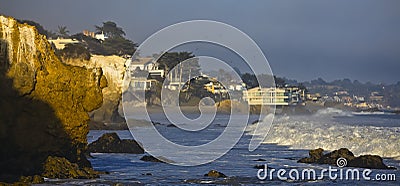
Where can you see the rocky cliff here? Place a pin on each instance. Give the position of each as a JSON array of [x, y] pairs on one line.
[[113, 69], [43, 102]]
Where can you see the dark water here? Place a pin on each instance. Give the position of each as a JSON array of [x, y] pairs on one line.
[[238, 164]]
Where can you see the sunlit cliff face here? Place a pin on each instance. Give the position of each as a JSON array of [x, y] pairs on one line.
[[43, 102]]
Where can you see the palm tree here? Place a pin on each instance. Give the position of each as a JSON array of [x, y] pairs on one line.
[[62, 31]]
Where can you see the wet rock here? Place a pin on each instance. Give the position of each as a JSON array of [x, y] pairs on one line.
[[315, 155], [368, 161], [171, 125], [332, 157], [57, 167], [363, 161], [111, 143], [260, 159], [150, 159], [259, 166], [159, 159], [215, 174]]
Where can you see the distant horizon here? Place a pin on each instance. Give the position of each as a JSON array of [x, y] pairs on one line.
[[302, 40]]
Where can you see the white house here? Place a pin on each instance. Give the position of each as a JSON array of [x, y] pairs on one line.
[[61, 42], [272, 96], [100, 36], [146, 64]]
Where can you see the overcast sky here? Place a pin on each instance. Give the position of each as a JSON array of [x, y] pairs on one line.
[[302, 39]]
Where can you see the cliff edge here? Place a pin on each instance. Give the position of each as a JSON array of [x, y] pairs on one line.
[[114, 70], [43, 102]]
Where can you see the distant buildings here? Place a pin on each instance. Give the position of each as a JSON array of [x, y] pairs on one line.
[[376, 97], [143, 72], [100, 36], [145, 64]]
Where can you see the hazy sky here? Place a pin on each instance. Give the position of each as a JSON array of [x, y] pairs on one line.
[[302, 39]]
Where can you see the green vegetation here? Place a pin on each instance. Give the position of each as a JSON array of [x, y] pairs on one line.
[[110, 29], [170, 59], [118, 46], [62, 31], [252, 80], [194, 91], [114, 43], [74, 51]]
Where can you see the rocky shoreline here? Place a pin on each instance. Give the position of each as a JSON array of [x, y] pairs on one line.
[[335, 157], [44, 107]]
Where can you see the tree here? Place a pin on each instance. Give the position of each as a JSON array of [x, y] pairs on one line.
[[62, 31], [110, 29], [74, 51], [118, 46], [170, 59], [250, 80]]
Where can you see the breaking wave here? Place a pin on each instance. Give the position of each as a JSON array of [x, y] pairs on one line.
[[321, 131]]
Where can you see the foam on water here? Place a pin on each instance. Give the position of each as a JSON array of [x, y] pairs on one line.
[[320, 131]]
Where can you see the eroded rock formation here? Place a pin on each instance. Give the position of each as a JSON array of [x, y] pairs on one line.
[[43, 102], [111, 143], [331, 158], [113, 69]]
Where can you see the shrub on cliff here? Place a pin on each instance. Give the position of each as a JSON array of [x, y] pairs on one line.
[[74, 51]]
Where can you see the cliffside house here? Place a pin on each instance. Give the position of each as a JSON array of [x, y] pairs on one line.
[[141, 67], [145, 64], [61, 42], [100, 36], [272, 96]]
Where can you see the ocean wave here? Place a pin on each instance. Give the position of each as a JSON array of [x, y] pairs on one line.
[[318, 131], [332, 112]]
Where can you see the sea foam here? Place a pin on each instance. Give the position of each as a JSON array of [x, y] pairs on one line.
[[321, 131]]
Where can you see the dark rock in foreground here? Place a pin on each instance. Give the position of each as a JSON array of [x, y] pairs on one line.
[[111, 143], [215, 174], [56, 167], [160, 159], [369, 161], [150, 159], [260, 159], [364, 161]]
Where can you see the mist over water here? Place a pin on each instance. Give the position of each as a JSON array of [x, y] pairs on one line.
[[331, 129]]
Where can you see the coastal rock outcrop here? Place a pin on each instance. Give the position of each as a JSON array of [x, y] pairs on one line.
[[363, 161], [215, 174], [57, 167], [148, 158], [44, 103], [111, 143], [113, 69], [158, 159]]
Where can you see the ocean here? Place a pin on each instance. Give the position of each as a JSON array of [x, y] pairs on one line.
[[289, 139]]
